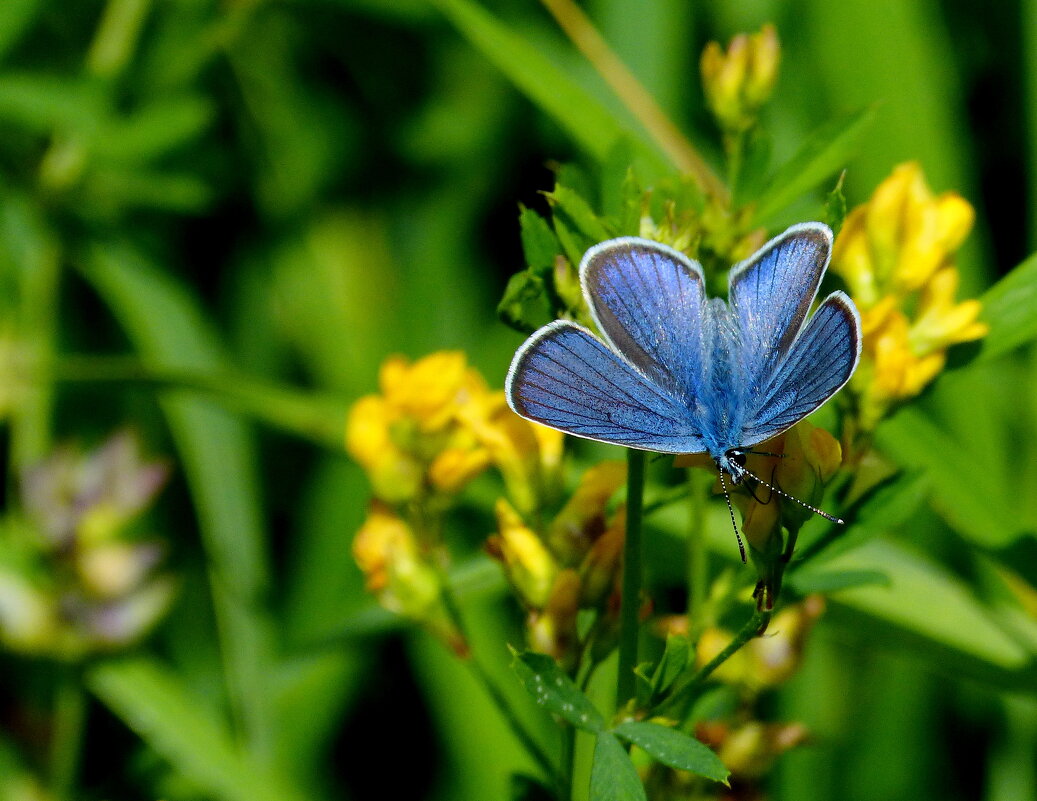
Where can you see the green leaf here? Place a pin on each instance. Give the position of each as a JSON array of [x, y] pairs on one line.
[[826, 151], [674, 748], [805, 582], [676, 657], [15, 17], [572, 206], [219, 461], [527, 788], [971, 501], [180, 727], [42, 103], [925, 606], [835, 206], [539, 243], [524, 300], [154, 130], [613, 775], [589, 122], [1008, 308], [555, 691]]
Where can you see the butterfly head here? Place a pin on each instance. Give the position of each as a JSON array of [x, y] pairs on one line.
[[732, 462]]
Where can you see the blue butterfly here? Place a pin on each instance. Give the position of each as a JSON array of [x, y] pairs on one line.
[[678, 372]]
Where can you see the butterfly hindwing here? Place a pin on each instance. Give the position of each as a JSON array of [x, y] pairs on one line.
[[820, 362], [565, 378], [648, 300]]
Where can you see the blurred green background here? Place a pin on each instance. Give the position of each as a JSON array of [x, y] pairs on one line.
[[216, 220]]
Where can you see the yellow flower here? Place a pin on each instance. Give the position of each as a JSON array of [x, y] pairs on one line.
[[553, 630], [896, 255], [429, 390], [939, 321], [528, 455], [530, 566], [894, 244], [749, 749], [412, 436], [601, 567], [399, 573], [737, 83], [582, 519]]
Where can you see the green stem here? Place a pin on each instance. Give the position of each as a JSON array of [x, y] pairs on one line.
[[630, 603], [698, 555], [67, 739], [525, 738], [568, 761], [311, 415], [677, 703]]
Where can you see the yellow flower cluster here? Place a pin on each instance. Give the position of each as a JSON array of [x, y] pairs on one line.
[[739, 81], [433, 427], [896, 254], [572, 562], [436, 425]]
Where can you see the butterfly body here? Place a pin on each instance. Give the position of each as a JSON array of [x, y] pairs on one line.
[[677, 372]]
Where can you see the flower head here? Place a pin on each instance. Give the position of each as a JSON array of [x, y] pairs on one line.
[[398, 570], [410, 438], [739, 82], [896, 254], [69, 566]]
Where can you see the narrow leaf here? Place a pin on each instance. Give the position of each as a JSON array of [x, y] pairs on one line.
[[825, 152], [674, 660], [570, 204], [524, 305], [151, 700], [971, 501], [588, 121], [674, 748], [1008, 310], [539, 244], [807, 581], [613, 775], [552, 689]]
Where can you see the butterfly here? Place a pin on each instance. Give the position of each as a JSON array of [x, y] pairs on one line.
[[678, 372]]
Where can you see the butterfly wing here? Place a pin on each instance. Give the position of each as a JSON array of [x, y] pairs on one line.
[[770, 295], [820, 362], [647, 299], [565, 378]]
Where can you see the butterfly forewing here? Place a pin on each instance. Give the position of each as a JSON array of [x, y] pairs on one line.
[[565, 378], [770, 295], [648, 300], [821, 361]]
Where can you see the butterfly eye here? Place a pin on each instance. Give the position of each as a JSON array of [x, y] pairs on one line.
[[737, 456]]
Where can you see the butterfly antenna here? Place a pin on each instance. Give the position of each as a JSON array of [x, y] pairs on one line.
[[784, 494], [731, 511]]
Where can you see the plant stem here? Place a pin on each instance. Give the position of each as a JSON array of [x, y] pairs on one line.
[[582, 33], [317, 417], [630, 603], [67, 738], [679, 699], [568, 760], [527, 740], [698, 557], [518, 728]]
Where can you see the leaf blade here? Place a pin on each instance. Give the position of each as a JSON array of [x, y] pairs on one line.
[[555, 691], [674, 748], [613, 775]]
